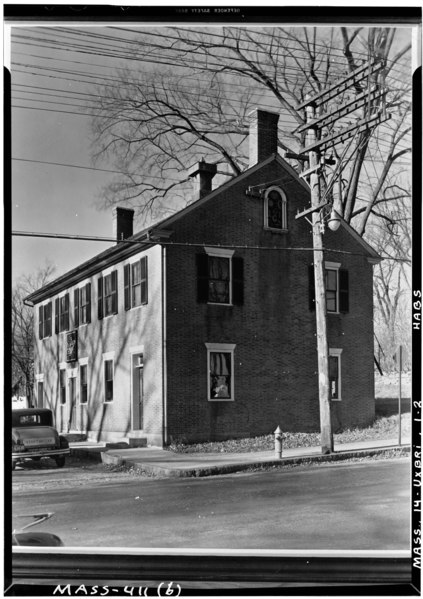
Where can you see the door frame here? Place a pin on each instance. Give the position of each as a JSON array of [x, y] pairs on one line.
[[135, 351]]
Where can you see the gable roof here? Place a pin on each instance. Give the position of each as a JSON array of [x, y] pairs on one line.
[[159, 232]]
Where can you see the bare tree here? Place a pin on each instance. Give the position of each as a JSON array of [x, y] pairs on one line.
[[154, 123], [392, 282], [23, 329]]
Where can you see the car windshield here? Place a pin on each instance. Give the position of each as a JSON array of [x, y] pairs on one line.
[[36, 418]]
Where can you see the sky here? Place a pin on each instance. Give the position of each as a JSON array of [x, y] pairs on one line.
[[48, 196]]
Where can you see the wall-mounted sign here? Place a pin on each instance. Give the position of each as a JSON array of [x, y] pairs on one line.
[[72, 346]]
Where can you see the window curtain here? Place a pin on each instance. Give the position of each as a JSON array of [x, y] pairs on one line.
[[219, 276]]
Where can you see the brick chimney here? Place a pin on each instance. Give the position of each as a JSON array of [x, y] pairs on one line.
[[263, 135], [123, 223], [202, 174]]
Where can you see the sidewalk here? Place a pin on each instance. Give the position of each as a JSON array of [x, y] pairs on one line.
[[159, 462]]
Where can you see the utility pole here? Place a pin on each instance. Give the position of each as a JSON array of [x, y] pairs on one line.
[[312, 154], [326, 439]]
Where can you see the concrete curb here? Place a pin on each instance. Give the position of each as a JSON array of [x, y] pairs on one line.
[[200, 471]]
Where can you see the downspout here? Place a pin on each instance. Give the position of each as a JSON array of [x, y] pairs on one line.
[[164, 347]]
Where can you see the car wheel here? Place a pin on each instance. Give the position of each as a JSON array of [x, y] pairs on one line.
[[60, 461]]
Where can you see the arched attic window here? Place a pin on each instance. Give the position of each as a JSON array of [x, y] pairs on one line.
[[275, 209]]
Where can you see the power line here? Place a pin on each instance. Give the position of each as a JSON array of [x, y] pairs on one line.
[[106, 50], [187, 244], [90, 168]]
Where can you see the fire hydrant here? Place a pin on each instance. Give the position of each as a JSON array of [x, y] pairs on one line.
[[278, 443]]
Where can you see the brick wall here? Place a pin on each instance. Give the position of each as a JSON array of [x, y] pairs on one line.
[[274, 331]]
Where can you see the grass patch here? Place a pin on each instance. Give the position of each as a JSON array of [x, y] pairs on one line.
[[383, 428]]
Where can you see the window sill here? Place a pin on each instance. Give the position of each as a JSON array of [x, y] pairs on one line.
[[109, 315], [136, 307], [225, 399], [218, 304], [279, 231]]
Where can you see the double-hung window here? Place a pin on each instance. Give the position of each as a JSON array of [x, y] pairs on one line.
[[220, 277], [107, 295], [108, 380], [83, 380], [136, 283], [62, 313], [331, 285], [220, 364], [336, 288], [82, 305], [45, 314], [335, 374]]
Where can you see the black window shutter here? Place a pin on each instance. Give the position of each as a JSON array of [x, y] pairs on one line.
[[144, 280], [127, 286], [67, 312], [237, 281], [56, 315], [47, 320], [344, 303], [311, 291], [76, 308], [202, 278], [88, 296], [100, 299], [41, 322], [115, 292]]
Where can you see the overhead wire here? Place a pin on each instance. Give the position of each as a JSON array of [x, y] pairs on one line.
[[164, 47], [90, 75], [189, 244]]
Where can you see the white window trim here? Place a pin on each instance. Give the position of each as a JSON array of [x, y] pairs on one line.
[[334, 266], [284, 213], [39, 378], [221, 347], [222, 253], [136, 349], [337, 352], [83, 361], [135, 259], [219, 252], [108, 357]]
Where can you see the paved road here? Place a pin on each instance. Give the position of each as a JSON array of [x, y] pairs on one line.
[[340, 506]]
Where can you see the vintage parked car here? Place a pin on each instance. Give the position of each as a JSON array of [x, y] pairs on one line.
[[34, 437]]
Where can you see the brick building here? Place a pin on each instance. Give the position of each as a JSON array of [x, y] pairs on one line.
[[203, 326]]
